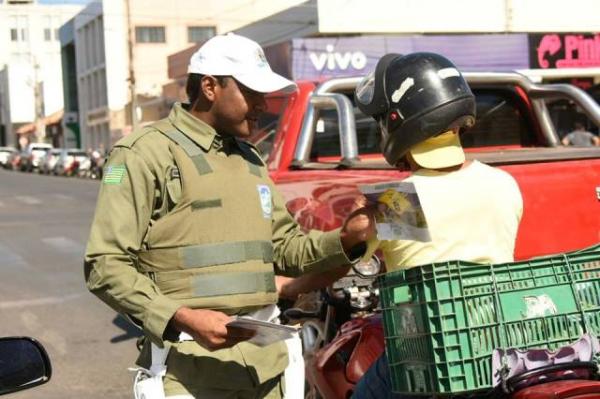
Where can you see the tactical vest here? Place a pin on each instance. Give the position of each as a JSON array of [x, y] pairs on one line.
[[214, 249]]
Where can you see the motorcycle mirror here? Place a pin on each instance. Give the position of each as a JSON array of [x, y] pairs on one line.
[[24, 363], [369, 268]]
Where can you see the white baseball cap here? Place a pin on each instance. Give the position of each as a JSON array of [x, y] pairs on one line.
[[240, 57]]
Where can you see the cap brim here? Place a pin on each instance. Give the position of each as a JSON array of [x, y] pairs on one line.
[[265, 82], [439, 152]]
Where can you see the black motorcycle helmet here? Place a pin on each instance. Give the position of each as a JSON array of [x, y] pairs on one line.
[[413, 98]]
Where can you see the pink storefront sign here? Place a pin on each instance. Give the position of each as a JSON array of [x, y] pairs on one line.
[[565, 50]]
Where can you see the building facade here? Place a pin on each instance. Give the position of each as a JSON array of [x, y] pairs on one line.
[[323, 38], [31, 94], [121, 50]]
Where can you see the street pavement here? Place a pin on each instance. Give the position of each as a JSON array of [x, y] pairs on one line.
[[44, 226]]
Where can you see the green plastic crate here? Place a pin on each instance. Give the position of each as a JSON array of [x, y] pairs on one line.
[[442, 321]]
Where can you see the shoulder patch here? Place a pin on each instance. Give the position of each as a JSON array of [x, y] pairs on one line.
[[113, 174]]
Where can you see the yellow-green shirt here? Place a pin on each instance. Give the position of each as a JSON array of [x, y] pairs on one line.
[[473, 214]]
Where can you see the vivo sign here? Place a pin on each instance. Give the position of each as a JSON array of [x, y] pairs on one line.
[[320, 57], [333, 60]]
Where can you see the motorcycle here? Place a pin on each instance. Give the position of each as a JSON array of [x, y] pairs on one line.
[[344, 336], [97, 165]]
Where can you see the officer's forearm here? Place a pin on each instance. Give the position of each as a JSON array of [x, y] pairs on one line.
[[114, 279], [290, 288], [180, 321], [207, 327]]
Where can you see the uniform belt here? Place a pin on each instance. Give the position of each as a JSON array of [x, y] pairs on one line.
[[228, 252], [232, 283]]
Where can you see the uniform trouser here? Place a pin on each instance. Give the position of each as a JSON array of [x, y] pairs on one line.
[[272, 389], [376, 383]]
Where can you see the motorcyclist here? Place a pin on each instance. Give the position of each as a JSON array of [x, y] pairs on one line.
[[422, 102]]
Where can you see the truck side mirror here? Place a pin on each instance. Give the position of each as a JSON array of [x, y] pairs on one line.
[[24, 363]]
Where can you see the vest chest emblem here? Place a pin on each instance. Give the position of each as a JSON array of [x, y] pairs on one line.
[[264, 192]]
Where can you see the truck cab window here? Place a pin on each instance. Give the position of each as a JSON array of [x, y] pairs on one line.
[[327, 135], [264, 136], [565, 114], [499, 121]]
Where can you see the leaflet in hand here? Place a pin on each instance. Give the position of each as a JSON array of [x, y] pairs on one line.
[[266, 333], [401, 215]]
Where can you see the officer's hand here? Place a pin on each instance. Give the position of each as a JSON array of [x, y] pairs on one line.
[[360, 224], [209, 328], [285, 287]]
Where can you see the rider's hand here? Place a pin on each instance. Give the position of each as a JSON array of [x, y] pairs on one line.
[[209, 328]]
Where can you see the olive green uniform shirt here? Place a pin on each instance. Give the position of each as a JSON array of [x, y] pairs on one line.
[[136, 192]]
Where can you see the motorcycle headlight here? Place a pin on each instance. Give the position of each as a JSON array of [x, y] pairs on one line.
[[368, 268]]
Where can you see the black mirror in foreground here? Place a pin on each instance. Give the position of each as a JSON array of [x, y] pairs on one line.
[[24, 363]]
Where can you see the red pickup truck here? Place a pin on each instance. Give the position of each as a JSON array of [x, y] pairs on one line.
[[319, 148]]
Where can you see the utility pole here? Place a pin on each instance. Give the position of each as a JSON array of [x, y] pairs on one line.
[[508, 15], [38, 95], [134, 121]]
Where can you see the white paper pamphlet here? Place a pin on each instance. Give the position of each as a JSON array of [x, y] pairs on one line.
[[266, 333], [401, 215]]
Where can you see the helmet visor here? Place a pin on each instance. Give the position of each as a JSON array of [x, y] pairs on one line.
[[366, 89]]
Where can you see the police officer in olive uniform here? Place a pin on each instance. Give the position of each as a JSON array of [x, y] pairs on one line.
[[190, 230]]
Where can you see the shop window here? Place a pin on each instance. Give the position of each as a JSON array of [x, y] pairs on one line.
[[199, 34], [18, 35], [150, 34]]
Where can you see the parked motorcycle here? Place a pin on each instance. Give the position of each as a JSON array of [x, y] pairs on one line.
[[96, 167], [345, 335]]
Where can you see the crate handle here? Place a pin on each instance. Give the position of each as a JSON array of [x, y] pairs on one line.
[[502, 331], [576, 296], [503, 341]]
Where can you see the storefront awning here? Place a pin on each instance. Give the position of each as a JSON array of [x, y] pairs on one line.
[[51, 119]]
